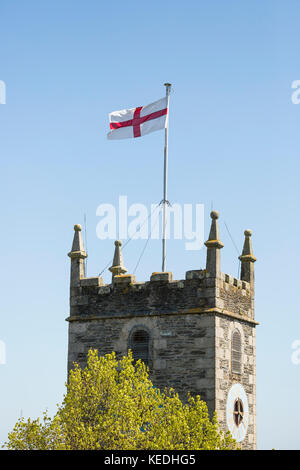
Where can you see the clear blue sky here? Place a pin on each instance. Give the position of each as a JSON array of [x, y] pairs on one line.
[[234, 140]]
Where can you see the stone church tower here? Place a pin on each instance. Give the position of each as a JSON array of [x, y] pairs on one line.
[[196, 334]]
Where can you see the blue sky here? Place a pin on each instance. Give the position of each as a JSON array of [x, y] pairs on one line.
[[234, 144]]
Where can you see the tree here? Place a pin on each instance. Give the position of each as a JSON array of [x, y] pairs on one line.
[[113, 404]]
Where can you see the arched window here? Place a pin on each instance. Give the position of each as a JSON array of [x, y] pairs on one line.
[[236, 352], [139, 344]]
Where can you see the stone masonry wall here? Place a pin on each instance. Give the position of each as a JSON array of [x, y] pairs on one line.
[[225, 378], [182, 352]]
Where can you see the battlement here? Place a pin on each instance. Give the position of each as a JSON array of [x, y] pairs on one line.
[[126, 297], [130, 279], [202, 290]]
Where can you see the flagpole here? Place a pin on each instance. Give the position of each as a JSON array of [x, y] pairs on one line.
[[165, 200]]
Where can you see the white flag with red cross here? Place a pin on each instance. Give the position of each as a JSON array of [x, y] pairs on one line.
[[139, 121]]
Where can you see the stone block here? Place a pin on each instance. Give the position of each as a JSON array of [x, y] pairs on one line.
[[123, 279], [79, 300], [195, 274], [159, 364], [91, 282], [104, 290], [204, 342], [161, 276]]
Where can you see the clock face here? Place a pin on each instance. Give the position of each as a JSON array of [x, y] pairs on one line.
[[237, 412]]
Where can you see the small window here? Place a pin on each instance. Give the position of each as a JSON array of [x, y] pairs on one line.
[[139, 344], [236, 353]]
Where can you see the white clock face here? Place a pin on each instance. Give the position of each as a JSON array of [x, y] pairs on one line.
[[237, 412]]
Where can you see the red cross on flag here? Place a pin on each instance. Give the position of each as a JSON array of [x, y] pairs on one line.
[[139, 121]]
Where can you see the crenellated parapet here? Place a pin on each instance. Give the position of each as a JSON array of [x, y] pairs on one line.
[[201, 291]]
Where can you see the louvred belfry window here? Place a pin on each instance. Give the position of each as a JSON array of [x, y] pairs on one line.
[[236, 353], [139, 344]]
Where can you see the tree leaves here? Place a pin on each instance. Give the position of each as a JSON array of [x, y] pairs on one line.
[[113, 404]]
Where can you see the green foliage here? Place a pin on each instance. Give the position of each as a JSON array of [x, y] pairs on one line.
[[113, 404]]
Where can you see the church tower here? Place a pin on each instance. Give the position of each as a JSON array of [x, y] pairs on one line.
[[196, 335]]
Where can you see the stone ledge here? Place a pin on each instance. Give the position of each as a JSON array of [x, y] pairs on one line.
[[77, 254], [192, 311]]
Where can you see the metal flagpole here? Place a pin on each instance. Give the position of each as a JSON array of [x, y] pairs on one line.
[[165, 200]]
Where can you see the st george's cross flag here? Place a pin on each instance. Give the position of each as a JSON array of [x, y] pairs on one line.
[[139, 121]]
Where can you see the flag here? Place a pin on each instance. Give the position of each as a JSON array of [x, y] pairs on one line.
[[139, 121]]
